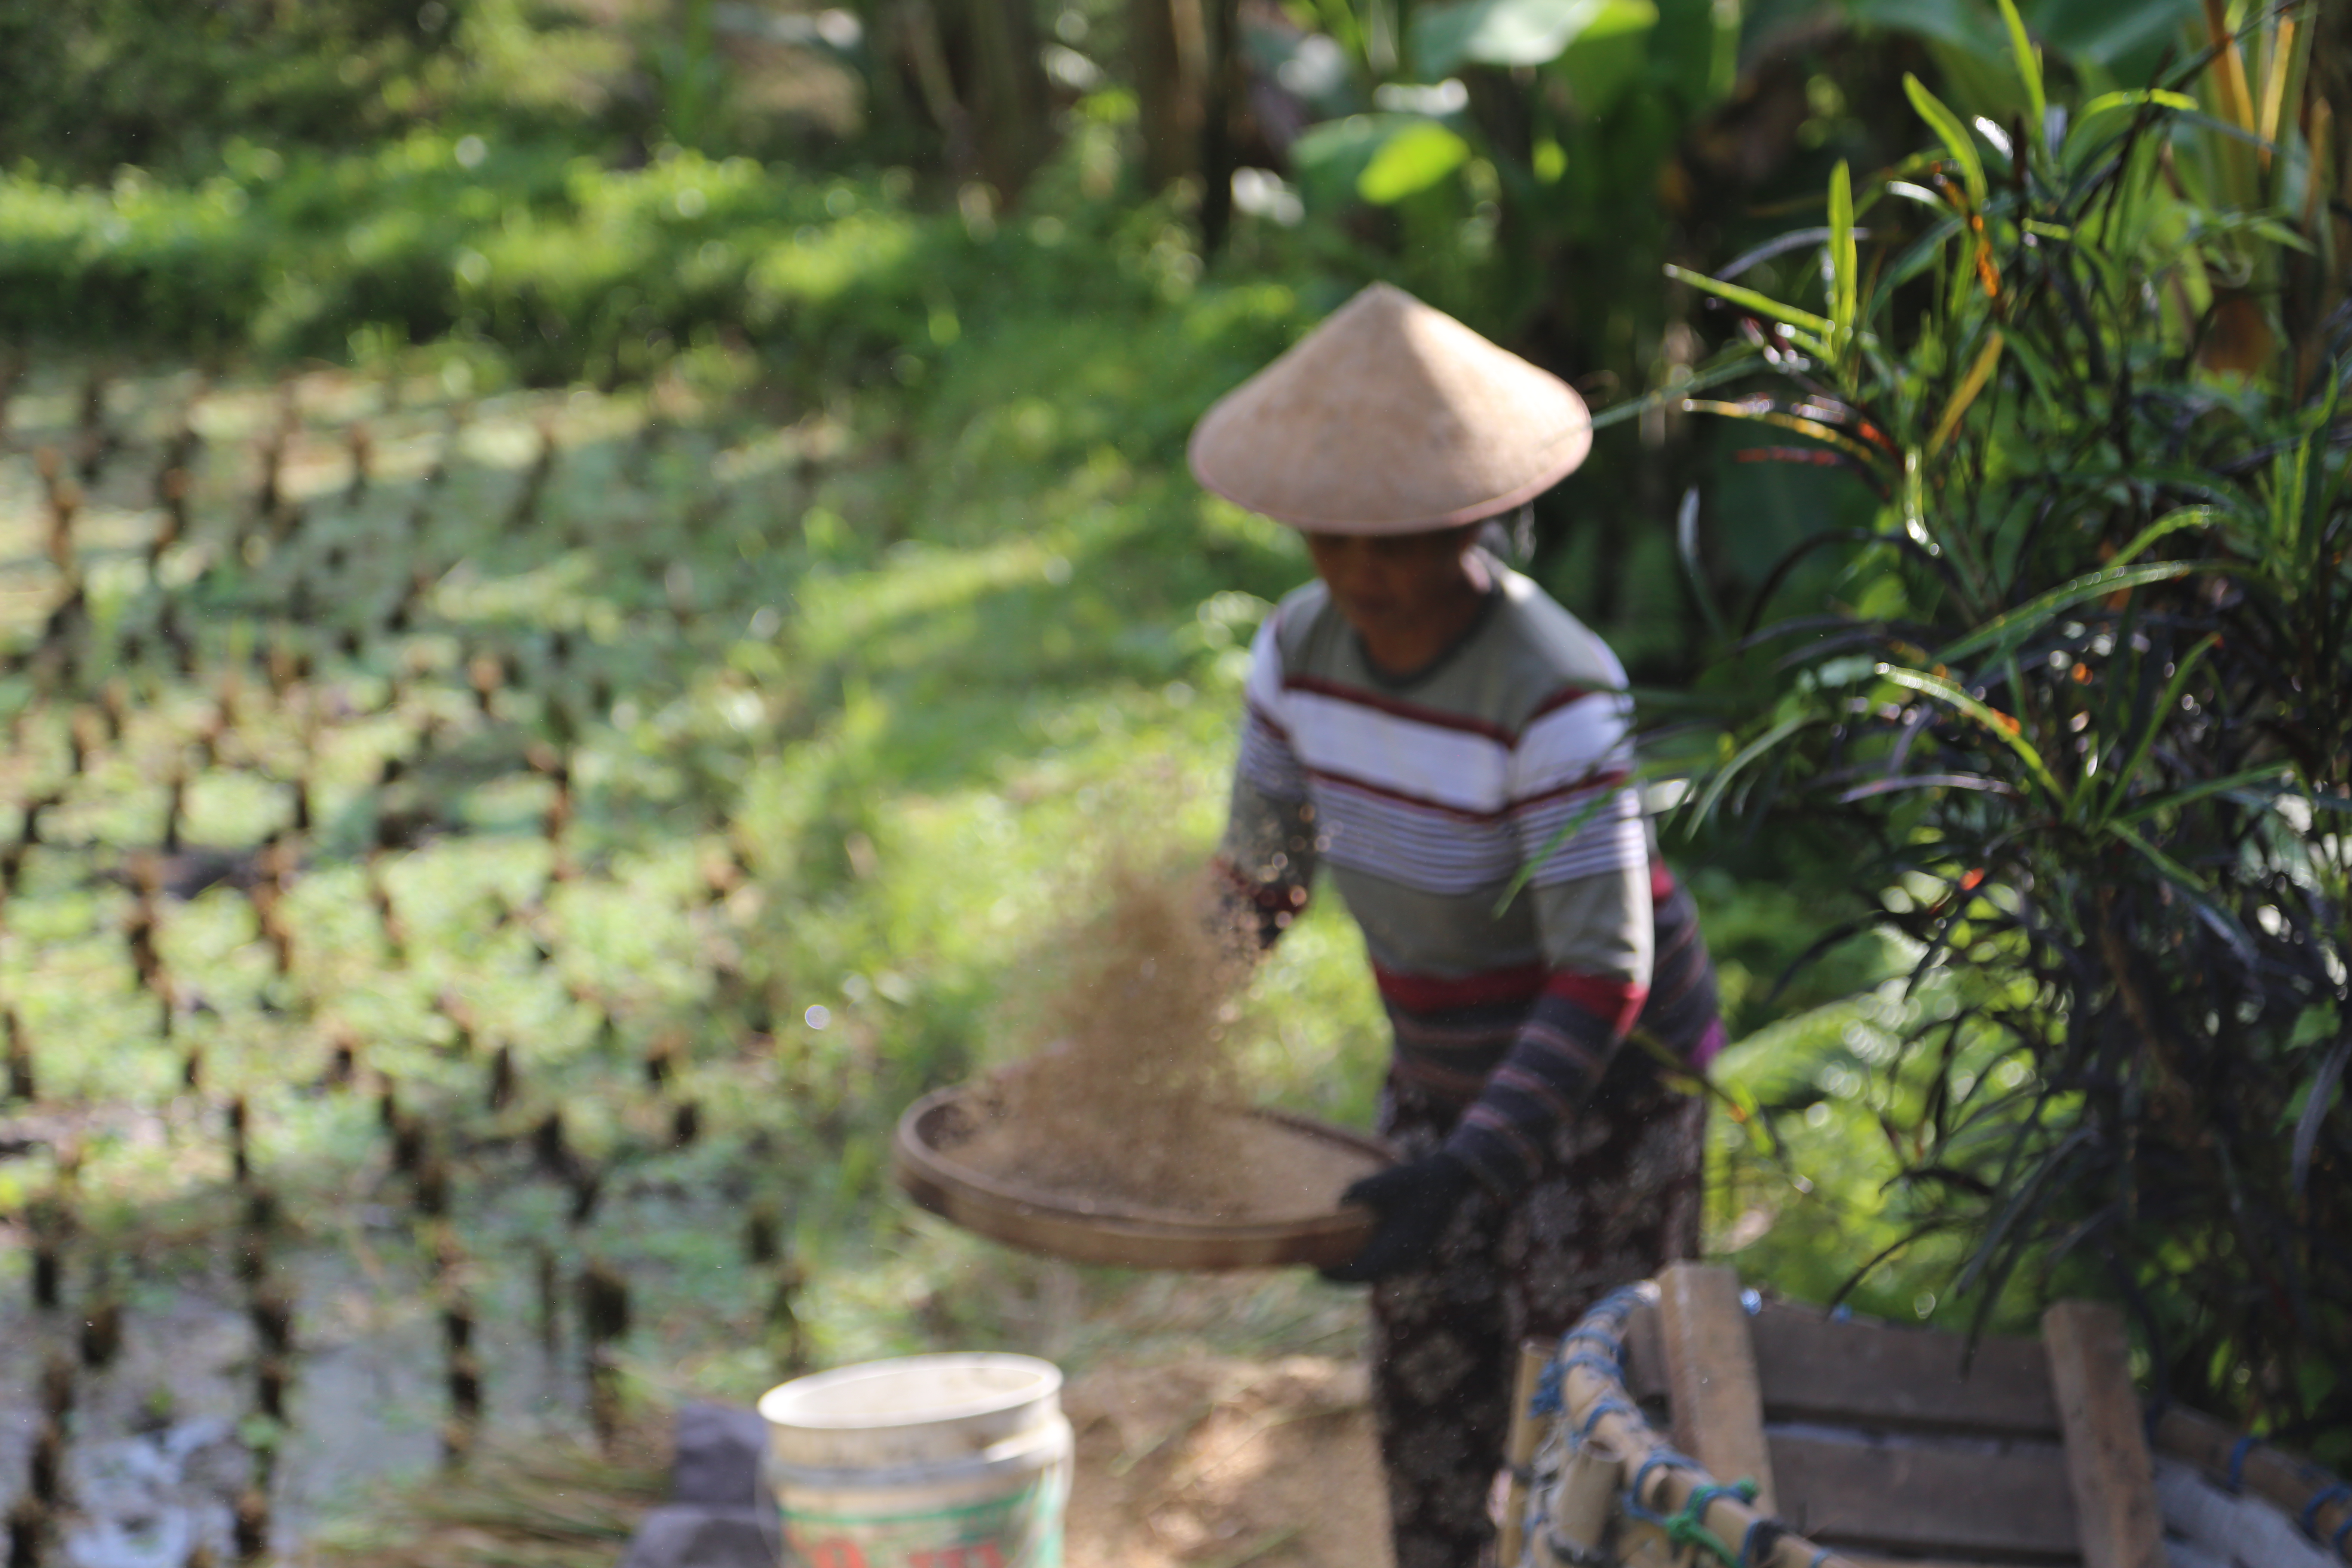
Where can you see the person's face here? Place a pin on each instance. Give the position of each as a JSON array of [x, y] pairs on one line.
[[1392, 585]]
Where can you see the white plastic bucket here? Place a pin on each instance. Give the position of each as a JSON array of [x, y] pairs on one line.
[[929, 1461]]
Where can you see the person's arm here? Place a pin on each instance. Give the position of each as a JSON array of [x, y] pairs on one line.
[[1266, 865], [1596, 936]]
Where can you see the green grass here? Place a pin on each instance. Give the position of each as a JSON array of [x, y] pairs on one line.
[[857, 691]]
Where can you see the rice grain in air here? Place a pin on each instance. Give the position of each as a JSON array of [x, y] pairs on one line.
[[1136, 1105]]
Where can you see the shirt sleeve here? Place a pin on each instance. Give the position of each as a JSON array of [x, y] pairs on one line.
[[1267, 861], [1580, 827]]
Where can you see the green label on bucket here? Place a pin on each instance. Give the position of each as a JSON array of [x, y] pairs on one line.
[[1021, 1530]]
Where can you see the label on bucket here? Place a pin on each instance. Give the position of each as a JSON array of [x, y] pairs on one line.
[[1021, 1530]]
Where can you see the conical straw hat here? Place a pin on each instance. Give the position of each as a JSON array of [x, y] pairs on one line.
[[1391, 418]]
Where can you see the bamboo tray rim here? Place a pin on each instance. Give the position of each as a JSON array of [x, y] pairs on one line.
[[1028, 1217]]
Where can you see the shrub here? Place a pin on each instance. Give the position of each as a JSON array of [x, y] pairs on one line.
[[2084, 697]]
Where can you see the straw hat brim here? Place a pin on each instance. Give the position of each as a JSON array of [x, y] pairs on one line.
[[1391, 418]]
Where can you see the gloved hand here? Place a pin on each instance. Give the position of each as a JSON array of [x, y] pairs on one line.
[[1414, 1201]]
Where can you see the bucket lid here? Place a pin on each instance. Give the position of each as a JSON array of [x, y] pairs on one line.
[[914, 1409]]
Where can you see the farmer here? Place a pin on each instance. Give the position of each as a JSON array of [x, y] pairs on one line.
[[1434, 728]]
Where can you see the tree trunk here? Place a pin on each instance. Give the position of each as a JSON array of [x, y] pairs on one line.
[[1169, 60], [1221, 105], [992, 49]]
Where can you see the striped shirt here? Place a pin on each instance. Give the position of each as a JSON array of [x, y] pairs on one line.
[[1424, 797]]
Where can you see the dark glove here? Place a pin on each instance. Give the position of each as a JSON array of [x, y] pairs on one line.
[[1414, 1201]]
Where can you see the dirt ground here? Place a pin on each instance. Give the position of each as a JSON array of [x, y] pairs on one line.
[[1214, 1463], [1202, 1462]]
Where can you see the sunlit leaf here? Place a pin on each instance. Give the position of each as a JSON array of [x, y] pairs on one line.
[[1411, 162], [1845, 267], [1749, 300], [1518, 32], [2107, 102], [2029, 69], [1956, 136], [1965, 393], [1332, 157]]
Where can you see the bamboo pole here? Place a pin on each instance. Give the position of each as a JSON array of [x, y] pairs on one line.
[[2317, 1501], [1596, 1406], [1519, 1452]]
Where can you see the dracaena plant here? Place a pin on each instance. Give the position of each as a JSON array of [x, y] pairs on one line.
[[2082, 700]]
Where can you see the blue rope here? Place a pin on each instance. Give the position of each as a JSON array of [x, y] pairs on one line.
[[1602, 1337], [1704, 1498], [1771, 1529], [1606, 1406], [1593, 1361], [1686, 1526], [2341, 1537], [1658, 1456], [2237, 1480], [1618, 1304], [1547, 1400], [2319, 1500]]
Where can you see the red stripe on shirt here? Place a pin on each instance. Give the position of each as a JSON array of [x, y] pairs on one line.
[[1597, 780], [1615, 1001], [1261, 715], [1566, 697], [1406, 797], [1520, 984], [1435, 717]]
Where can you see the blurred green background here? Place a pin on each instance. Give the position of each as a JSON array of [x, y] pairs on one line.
[[759, 430]]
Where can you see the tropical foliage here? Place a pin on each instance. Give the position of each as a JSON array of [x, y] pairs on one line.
[[2083, 690]]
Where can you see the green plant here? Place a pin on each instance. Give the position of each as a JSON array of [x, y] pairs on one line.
[[2085, 694]]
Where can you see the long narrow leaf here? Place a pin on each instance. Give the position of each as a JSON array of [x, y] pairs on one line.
[[1928, 781], [1732, 363], [2029, 71], [1979, 373], [1686, 547], [1749, 300], [1953, 133], [2196, 792], [2167, 704], [1868, 456], [2002, 725], [1748, 753], [1845, 265], [2171, 522], [1916, 258], [2314, 1112], [2200, 896], [2108, 103], [2004, 632], [1566, 831]]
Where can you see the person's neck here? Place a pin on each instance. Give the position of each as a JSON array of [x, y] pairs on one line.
[[1402, 652]]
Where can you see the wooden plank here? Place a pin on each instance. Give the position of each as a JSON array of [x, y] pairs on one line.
[[1646, 1356], [2113, 1479], [1956, 1500], [1885, 1378], [1711, 1375], [2287, 1483]]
